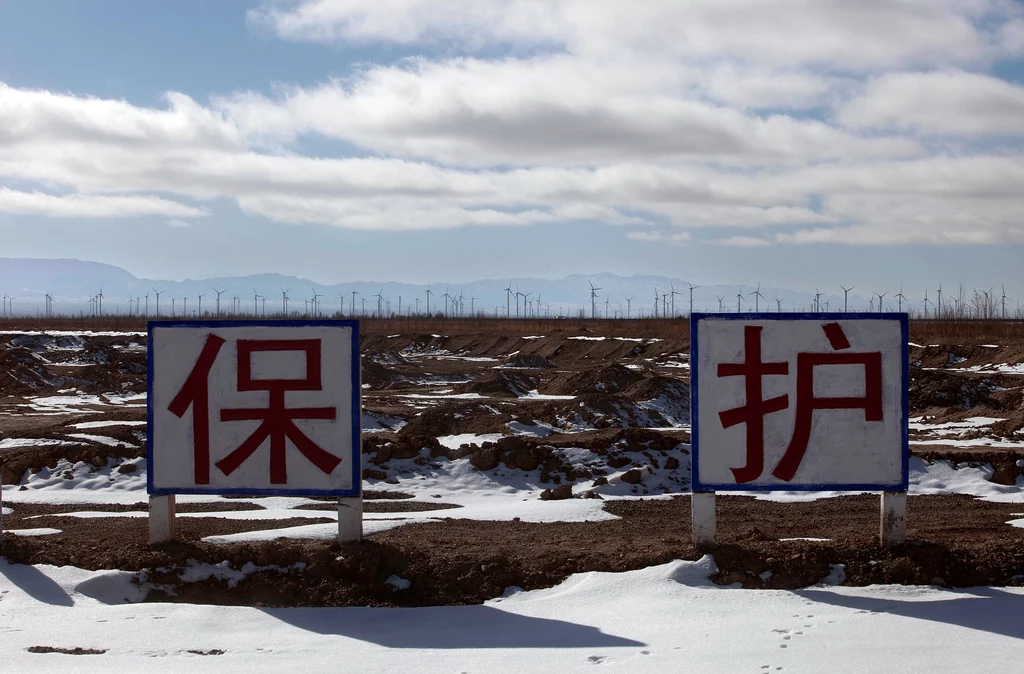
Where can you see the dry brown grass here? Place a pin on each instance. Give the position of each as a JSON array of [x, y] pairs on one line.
[[943, 331]]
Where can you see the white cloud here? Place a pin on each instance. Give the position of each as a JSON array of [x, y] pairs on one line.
[[175, 222], [90, 205], [555, 110], [660, 237], [743, 242], [757, 121], [847, 35], [947, 102]]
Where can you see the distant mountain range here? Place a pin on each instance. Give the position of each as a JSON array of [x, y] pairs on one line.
[[73, 283]]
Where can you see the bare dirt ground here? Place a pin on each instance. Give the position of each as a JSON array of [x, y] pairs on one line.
[[629, 407]]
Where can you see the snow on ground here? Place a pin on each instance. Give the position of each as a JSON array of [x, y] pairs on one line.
[[74, 403], [441, 395], [33, 532], [666, 618], [535, 394], [456, 441], [102, 424], [73, 333], [537, 429], [13, 443], [100, 439], [941, 477], [951, 427]]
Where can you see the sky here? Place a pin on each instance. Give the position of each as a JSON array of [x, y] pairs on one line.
[[792, 142]]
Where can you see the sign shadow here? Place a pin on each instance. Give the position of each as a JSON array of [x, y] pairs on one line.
[[448, 627], [986, 609], [35, 584]]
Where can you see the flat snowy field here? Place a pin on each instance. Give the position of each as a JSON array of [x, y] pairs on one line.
[[667, 618]]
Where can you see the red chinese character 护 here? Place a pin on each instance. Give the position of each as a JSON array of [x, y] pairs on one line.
[[754, 410]]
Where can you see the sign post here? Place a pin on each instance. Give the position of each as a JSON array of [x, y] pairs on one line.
[[259, 408], [799, 402]]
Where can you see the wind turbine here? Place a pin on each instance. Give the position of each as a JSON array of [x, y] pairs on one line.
[[778, 304], [593, 299], [380, 302], [316, 302], [429, 293], [880, 297], [692, 288], [656, 302], [757, 295], [899, 300], [447, 297], [720, 300], [1004, 298], [158, 294], [925, 303], [219, 293], [284, 301], [629, 307], [200, 305], [354, 293], [508, 300], [817, 300], [101, 300], [846, 293], [673, 293], [739, 300]]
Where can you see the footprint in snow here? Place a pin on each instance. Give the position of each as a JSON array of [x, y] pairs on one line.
[[597, 659]]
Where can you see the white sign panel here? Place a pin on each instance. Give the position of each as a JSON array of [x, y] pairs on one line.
[[799, 401], [254, 408]]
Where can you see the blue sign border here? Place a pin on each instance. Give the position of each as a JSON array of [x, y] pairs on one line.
[[695, 480], [356, 461]]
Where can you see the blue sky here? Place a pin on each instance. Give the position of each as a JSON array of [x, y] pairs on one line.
[[413, 141]]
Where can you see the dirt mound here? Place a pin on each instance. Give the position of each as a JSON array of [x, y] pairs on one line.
[[15, 462], [669, 397], [608, 411], [530, 361], [610, 379], [451, 418], [500, 384], [388, 358], [933, 388], [24, 372], [378, 376], [965, 356]]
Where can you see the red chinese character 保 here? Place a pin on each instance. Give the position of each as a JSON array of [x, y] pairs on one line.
[[753, 412], [278, 421]]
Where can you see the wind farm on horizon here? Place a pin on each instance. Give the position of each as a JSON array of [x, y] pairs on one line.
[[520, 303]]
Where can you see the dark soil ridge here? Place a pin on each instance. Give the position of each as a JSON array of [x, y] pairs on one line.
[[953, 541]]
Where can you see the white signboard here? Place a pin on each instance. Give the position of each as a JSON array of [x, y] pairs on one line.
[[799, 401], [254, 408]]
